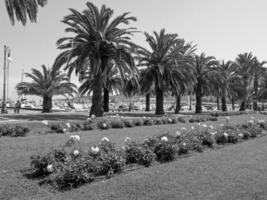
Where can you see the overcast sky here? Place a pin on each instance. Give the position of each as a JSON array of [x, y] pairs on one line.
[[220, 28]]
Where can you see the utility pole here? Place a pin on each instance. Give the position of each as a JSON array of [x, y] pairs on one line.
[[7, 58]]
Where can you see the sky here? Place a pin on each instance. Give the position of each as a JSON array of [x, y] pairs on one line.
[[220, 28]]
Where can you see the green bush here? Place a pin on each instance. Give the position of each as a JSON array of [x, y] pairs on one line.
[[116, 123], [57, 128], [128, 123], [165, 151], [148, 122], [17, 131], [138, 122]]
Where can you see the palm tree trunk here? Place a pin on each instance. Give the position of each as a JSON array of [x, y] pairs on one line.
[[178, 104], [256, 84], [106, 100], [97, 99], [190, 101], [198, 99], [218, 103], [233, 103], [159, 101], [47, 104], [224, 107], [147, 102], [242, 106]]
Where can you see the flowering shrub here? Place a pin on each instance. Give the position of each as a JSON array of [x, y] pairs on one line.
[[139, 154], [148, 121], [17, 131], [165, 150], [58, 128], [158, 121], [103, 124]]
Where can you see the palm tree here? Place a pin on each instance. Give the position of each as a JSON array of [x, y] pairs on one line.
[[224, 80], [23, 9], [203, 65], [161, 62], [130, 88], [262, 92], [258, 72], [112, 84], [46, 84], [245, 63], [97, 41]]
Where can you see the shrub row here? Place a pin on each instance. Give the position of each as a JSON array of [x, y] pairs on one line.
[[117, 123], [70, 166], [16, 131], [218, 114]]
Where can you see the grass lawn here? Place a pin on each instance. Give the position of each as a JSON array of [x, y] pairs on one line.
[[235, 172]]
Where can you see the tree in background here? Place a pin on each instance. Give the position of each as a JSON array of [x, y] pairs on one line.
[[21, 10], [202, 67], [162, 65], [96, 41], [46, 84]]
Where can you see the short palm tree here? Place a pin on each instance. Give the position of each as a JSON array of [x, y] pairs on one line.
[[202, 67], [112, 84], [162, 65], [245, 63], [23, 10], [96, 41], [258, 72], [224, 80], [46, 84]]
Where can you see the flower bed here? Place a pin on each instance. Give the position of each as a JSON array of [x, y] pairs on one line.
[[71, 166], [15, 131]]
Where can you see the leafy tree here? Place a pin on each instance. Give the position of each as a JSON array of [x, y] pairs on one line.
[[97, 41], [202, 67], [161, 62], [46, 84], [23, 10]]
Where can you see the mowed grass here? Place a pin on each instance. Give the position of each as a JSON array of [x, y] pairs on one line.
[[235, 172]]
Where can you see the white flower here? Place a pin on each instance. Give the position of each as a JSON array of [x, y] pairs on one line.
[[221, 124], [127, 139], [68, 125], [184, 144], [183, 129], [75, 137], [225, 134], [211, 127], [227, 118], [104, 125], [252, 117], [64, 130], [45, 122], [89, 119], [93, 116], [198, 124], [50, 168], [193, 128], [95, 149], [178, 133], [164, 138], [75, 152], [204, 125], [105, 139], [213, 133], [261, 121], [144, 117], [241, 135], [170, 120], [251, 121]]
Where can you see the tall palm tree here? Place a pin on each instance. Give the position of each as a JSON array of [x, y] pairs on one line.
[[245, 63], [96, 41], [23, 10], [161, 62], [46, 84], [203, 65]]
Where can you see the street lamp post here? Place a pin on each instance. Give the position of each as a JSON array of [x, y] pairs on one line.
[[7, 59]]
